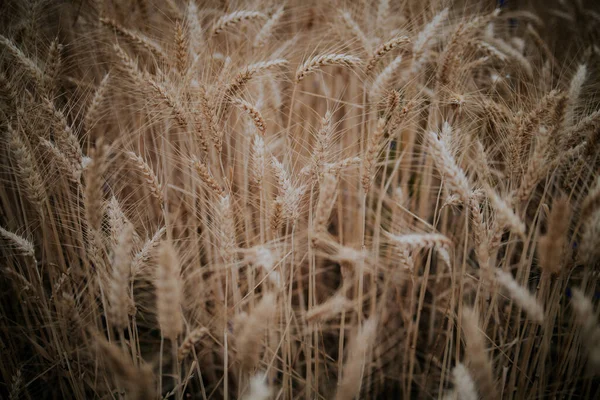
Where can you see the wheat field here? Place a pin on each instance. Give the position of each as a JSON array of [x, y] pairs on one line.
[[289, 199]]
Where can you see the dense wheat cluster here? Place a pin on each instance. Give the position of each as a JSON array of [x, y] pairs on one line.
[[299, 200]]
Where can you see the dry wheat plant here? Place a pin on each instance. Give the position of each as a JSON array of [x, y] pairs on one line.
[[271, 199]]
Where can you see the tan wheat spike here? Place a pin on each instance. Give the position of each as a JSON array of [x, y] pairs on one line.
[[590, 329], [419, 240], [276, 216], [353, 27], [574, 93], [384, 49], [196, 35], [424, 38], [521, 296], [259, 390], [248, 341], [589, 249], [27, 171], [315, 63], [513, 53], [65, 138], [258, 159], [169, 292], [31, 67], [505, 214], [267, 30], [371, 154], [63, 163], [137, 381], [150, 177], [181, 48], [142, 256], [235, 18], [551, 246], [464, 384], [254, 113], [454, 176], [591, 203], [582, 130], [327, 195], [226, 225], [247, 73], [128, 65], [537, 166], [207, 178], [383, 13], [384, 78], [118, 290], [480, 234], [323, 141], [93, 110], [337, 167], [210, 115], [94, 191], [329, 309], [22, 245], [189, 342], [290, 195], [135, 38], [117, 221], [478, 361], [53, 65], [358, 350], [9, 91], [173, 103]]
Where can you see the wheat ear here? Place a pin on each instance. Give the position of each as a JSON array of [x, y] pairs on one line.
[[590, 329], [464, 384], [235, 18], [20, 244], [521, 296], [267, 30], [259, 390], [384, 49], [247, 73], [141, 257], [358, 349], [313, 64], [329, 309], [137, 382], [207, 178], [454, 176], [551, 246], [253, 112], [327, 195], [135, 38], [249, 339], [478, 361], [93, 110], [118, 294], [149, 176], [190, 342], [168, 292], [371, 154], [31, 67], [26, 170]]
